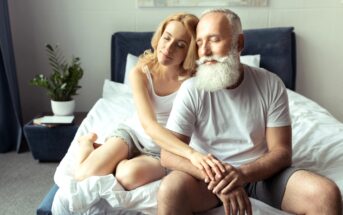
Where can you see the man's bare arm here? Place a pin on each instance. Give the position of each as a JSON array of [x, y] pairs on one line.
[[278, 157]]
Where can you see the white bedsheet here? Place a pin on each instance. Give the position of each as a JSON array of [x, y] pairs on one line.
[[317, 144]]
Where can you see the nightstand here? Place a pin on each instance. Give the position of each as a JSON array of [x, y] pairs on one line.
[[51, 143]]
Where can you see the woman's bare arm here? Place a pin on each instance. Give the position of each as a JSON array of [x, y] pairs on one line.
[[162, 136]]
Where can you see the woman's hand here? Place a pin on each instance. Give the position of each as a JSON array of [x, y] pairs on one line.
[[210, 166]]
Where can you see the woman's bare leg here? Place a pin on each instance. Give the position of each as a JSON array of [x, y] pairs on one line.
[[102, 160], [138, 171], [86, 147]]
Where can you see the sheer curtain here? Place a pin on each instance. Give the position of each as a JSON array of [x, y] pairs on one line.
[[10, 111]]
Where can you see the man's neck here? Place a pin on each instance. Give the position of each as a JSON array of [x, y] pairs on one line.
[[240, 79]]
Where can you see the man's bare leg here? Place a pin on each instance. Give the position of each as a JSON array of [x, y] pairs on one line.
[[309, 193], [182, 194]]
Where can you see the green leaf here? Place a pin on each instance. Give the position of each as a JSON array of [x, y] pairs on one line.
[[63, 81]]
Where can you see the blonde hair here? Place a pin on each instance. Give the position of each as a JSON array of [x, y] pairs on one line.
[[189, 21]]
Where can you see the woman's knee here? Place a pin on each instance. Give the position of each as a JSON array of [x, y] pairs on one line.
[[131, 174], [125, 174]]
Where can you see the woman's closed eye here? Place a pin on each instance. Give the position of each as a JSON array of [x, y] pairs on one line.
[[181, 44]]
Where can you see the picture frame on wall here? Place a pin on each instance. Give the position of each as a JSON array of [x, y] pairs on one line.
[[201, 3]]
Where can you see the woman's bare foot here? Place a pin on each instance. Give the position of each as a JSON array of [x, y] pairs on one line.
[[88, 139]]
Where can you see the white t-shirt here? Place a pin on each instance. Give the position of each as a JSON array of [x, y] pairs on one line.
[[230, 124]]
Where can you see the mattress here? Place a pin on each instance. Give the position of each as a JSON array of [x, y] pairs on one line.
[[317, 146]]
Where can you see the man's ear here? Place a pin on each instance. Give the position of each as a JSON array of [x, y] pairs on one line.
[[240, 42]]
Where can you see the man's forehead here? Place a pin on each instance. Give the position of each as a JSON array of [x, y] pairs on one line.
[[212, 23]]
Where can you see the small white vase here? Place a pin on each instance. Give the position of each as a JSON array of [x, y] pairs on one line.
[[63, 108]]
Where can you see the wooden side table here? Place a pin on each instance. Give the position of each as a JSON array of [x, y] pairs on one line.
[[51, 143]]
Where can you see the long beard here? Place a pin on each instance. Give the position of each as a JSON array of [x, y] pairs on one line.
[[223, 74]]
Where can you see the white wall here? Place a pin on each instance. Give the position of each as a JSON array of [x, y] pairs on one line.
[[84, 27]]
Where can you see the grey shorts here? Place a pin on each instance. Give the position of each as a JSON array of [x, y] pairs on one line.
[[271, 190], [135, 147]]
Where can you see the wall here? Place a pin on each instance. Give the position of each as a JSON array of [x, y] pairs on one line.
[[83, 28]]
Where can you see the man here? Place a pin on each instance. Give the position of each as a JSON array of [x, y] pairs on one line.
[[240, 115]]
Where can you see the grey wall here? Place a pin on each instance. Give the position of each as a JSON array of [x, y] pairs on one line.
[[83, 28]]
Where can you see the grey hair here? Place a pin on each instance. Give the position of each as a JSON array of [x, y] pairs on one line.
[[234, 20]]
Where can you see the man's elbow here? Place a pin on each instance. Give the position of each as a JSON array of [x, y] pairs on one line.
[[287, 158]]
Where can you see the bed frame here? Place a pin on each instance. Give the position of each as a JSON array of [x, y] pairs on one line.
[[275, 45]]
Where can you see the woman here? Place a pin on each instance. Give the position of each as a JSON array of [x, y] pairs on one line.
[[130, 151]]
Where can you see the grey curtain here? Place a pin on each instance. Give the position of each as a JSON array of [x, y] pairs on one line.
[[10, 111]]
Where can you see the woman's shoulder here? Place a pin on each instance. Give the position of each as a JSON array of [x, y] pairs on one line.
[[138, 73]]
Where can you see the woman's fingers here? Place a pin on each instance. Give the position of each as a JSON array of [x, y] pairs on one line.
[[217, 163], [208, 170]]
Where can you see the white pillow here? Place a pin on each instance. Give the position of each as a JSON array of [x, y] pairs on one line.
[[251, 60], [131, 60], [111, 90]]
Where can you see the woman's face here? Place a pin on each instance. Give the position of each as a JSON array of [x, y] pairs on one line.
[[173, 45]]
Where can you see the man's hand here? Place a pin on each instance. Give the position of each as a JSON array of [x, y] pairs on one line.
[[210, 166], [236, 202], [232, 179]]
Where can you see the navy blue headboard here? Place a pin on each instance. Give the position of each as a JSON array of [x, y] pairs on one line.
[[275, 45]]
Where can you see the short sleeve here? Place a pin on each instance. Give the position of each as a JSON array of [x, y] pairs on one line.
[[278, 112], [183, 114]]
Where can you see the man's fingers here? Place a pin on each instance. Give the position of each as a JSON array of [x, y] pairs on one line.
[[212, 184], [227, 207], [248, 204], [234, 205], [242, 205], [229, 187]]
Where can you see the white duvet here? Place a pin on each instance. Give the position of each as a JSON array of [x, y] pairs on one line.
[[317, 146]]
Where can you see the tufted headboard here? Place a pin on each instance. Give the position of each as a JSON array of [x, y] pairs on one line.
[[275, 45]]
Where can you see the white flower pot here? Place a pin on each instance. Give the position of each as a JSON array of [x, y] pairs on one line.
[[63, 108]]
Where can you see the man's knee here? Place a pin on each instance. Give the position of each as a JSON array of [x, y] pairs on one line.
[[324, 195], [330, 191], [174, 184]]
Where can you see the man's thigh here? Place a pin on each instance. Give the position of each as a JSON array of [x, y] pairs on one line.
[[271, 191], [199, 198]]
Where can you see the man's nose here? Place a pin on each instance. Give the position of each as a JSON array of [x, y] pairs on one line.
[[204, 50]]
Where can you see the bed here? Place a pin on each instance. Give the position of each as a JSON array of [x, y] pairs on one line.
[[317, 135]]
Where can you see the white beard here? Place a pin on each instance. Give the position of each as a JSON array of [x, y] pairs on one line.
[[223, 74]]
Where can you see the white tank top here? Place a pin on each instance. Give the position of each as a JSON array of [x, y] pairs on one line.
[[162, 106]]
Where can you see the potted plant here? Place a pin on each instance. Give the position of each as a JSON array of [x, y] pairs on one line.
[[62, 83]]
